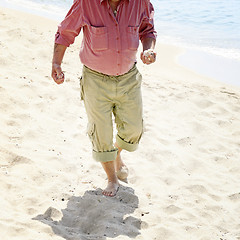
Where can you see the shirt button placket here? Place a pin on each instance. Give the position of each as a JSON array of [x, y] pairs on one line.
[[118, 47]]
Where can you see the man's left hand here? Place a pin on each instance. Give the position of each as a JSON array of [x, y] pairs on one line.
[[148, 56]]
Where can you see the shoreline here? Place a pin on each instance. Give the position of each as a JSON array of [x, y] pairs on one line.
[[33, 10], [220, 68]]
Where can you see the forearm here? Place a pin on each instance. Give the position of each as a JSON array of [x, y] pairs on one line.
[[58, 53], [148, 43]]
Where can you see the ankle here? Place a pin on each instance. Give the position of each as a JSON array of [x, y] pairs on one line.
[[119, 149], [113, 179]]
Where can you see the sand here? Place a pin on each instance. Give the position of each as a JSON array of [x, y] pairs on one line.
[[184, 178]]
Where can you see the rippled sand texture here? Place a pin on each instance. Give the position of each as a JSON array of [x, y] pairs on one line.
[[184, 178]]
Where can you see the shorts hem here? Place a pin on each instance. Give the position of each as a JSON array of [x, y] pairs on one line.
[[125, 145], [105, 156]]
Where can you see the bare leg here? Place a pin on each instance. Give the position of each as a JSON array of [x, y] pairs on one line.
[[118, 162], [120, 168], [113, 184]]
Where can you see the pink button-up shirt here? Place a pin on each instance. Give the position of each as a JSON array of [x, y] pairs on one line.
[[109, 42]]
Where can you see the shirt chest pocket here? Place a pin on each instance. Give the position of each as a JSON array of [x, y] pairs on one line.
[[133, 37], [99, 38]]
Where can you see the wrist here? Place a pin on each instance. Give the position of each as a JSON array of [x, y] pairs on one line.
[[148, 52], [56, 64], [148, 49]]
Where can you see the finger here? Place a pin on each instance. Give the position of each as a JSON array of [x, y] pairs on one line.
[[154, 56], [142, 57], [57, 70], [151, 59], [147, 60], [60, 75], [144, 60], [57, 74], [57, 79], [54, 76]]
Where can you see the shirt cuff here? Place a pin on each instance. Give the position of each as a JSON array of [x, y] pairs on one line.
[[149, 35], [59, 39]]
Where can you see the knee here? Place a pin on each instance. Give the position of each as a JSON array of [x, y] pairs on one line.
[[133, 133], [136, 133]]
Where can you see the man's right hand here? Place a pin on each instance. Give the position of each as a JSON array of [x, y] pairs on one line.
[[57, 73], [58, 53]]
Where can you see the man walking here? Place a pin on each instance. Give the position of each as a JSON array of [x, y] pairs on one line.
[[110, 80]]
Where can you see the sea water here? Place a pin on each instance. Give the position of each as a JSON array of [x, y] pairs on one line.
[[210, 26], [208, 29]]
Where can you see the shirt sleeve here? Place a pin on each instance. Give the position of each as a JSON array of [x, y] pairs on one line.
[[146, 29], [70, 27]]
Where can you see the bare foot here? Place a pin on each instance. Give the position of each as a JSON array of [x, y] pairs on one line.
[[113, 184], [111, 189], [122, 173]]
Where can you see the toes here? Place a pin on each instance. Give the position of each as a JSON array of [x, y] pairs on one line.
[[110, 193], [105, 192]]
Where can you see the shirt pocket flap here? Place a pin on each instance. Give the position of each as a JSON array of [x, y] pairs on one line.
[[98, 30], [133, 30]]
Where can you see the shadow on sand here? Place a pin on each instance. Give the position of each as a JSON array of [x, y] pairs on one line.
[[94, 216]]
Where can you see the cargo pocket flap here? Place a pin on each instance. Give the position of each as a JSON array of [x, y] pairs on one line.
[[91, 130]]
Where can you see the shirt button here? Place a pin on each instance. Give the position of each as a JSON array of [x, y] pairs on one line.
[[118, 64], [117, 38], [118, 51], [116, 24]]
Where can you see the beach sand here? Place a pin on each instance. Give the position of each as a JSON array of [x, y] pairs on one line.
[[184, 179]]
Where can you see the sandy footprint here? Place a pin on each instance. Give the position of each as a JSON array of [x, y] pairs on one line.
[[9, 159]]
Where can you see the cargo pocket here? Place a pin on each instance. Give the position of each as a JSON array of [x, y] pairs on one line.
[[91, 132], [142, 132], [139, 79], [133, 38], [81, 89], [99, 37]]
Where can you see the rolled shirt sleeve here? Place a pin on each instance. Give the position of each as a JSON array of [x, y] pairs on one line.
[[70, 27], [146, 29]]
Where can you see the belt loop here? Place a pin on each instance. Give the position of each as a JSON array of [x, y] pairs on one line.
[[104, 78]]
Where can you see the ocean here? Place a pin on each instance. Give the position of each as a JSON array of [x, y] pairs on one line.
[[210, 26]]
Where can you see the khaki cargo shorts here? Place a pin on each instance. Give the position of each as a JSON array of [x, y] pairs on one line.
[[104, 96]]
